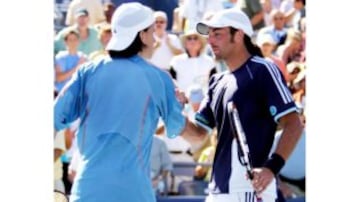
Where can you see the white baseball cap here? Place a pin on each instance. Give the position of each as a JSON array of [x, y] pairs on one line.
[[127, 20], [233, 17]]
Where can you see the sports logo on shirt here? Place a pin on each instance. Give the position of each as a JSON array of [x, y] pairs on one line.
[[273, 110]]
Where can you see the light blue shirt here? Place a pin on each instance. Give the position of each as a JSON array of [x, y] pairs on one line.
[[66, 62], [119, 102]]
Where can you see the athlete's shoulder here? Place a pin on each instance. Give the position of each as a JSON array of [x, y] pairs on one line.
[[261, 64]]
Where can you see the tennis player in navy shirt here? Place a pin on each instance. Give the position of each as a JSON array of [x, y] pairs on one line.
[[259, 91]]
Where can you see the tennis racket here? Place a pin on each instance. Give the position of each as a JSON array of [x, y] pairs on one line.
[[239, 135]]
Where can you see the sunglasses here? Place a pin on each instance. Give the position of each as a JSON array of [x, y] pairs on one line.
[[189, 38]]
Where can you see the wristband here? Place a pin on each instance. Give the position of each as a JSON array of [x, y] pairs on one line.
[[275, 163]]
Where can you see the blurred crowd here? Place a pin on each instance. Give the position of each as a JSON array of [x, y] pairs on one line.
[[82, 30]]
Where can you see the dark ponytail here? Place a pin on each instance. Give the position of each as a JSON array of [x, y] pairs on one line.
[[252, 48]]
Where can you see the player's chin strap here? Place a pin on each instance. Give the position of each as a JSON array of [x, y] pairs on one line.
[[243, 148]]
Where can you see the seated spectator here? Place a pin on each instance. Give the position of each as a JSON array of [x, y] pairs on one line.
[[104, 36], [161, 166], [68, 61], [267, 46], [94, 7], [109, 9], [277, 28], [291, 49], [166, 45], [207, 156], [300, 90], [294, 69], [89, 41], [193, 66]]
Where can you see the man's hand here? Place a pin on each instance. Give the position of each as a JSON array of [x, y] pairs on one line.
[[262, 178], [180, 95]]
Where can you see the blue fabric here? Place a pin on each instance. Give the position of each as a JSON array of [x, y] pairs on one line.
[[119, 102], [259, 92], [66, 62]]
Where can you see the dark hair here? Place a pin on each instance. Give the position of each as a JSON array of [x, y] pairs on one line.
[[252, 48], [135, 47]]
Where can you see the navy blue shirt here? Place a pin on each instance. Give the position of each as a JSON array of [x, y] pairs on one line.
[[259, 92]]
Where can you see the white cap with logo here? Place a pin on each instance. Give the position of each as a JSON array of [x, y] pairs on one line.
[[127, 20], [233, 17]]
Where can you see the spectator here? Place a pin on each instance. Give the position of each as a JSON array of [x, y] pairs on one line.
[[104, 37], [294, 68], [68, 61], [300, 90], [194, 11], [294, 11], [254, 10], [206, 157], [178, 21], [267, 46], [94, 7], [193, 66], [109, 9], [161, 165], [291, 49], [267, 7], [166, 45], [277, 29], [89, 41]]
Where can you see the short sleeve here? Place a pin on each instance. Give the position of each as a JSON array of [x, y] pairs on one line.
[[171, 109], [276, 94], [69, 103]]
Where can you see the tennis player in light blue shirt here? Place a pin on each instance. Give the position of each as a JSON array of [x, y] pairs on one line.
[[119, 99]]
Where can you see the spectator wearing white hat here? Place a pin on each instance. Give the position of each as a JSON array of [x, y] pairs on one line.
[[120, 99], [193, 66]]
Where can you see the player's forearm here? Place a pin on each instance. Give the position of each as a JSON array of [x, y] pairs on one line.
[[193, 132], [292, 130]]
